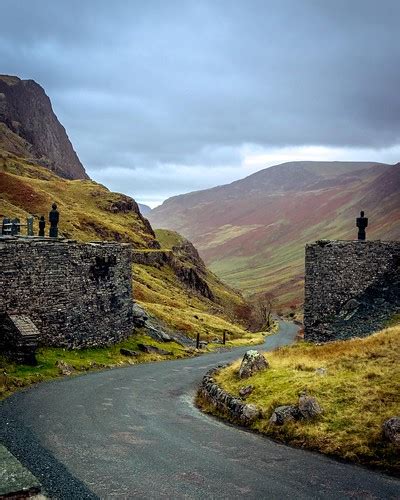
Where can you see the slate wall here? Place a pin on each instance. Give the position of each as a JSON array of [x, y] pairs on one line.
[[351, 288], [77, 294]]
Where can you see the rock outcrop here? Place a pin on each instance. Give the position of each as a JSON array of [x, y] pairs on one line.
[[33, 130]]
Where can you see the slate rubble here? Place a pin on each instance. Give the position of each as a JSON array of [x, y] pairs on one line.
[[351, 288]]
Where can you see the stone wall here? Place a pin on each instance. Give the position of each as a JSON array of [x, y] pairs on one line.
[[77, 294], [351, 288], [234, 408]]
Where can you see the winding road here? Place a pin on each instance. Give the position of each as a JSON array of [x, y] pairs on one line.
[[134, 432]]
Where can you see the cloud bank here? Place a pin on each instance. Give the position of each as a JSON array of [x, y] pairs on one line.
[[161, 97]]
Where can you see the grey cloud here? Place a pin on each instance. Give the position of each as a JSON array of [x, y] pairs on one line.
[[143, 84]]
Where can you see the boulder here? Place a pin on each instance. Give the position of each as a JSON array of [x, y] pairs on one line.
[[158, 334], [391, 430], [150, 349], [246, 391], [283, 414], [203, 344], [321, 372], [249, 413], [139, 316], [252, 362], [128, 352], [308, 406], [64, 368]]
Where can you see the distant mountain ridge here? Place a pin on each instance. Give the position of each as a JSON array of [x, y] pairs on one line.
[[252, 232], [29, 128], [144, 209]]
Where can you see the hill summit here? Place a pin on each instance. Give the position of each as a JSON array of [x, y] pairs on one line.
[[252, 232], [29, 128]]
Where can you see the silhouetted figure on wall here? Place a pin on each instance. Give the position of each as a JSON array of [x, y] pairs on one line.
[[54, 217], [42, 225], [362, 223]]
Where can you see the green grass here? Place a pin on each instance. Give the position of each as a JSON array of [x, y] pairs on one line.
[[360, 391], [168, 239], [18, 376]]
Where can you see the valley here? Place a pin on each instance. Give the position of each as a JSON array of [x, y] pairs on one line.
[[252, 232]]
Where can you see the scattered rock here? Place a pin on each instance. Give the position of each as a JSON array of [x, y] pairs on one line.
[[64, 368], [246, 391], [283, 414], [150, 349], [203, 344], [391, 430], [308, 406], [252, 362], [93, 364], [307, 409], [128, 352], [321, 371], [250, 413], [158, 334], [139, 316]]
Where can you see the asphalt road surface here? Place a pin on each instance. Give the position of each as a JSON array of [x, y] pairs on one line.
[[134, 433]]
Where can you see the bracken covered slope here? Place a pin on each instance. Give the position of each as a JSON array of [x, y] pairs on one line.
[[174, 292], [252, 232], [38, 166]]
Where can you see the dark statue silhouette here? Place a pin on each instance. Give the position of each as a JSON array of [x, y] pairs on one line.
[[362, 223], [42, 225], [54, 217]]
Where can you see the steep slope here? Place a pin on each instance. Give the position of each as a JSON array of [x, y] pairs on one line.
[[88, 210], [29, 128], [182, 293], [38, 166], [252, 232]]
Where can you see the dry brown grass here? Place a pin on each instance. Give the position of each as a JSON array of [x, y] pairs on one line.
[[360, 391]]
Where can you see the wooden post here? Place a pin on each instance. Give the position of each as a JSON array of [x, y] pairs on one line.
[[29, 226], [224, 338], [198, 340]]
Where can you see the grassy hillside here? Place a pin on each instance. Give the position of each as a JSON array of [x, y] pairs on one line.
[[89, 211], [361, 389], [252, 232], [161, 293]]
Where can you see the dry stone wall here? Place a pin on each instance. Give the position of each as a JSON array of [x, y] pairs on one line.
[[234, 408], [351, 288], [77, 294]]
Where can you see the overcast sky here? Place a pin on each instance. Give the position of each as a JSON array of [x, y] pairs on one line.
[[161, 98]]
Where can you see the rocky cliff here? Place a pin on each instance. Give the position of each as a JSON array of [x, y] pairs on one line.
[[29, 128]]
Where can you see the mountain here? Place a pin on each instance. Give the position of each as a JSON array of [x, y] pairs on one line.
[[38, 166], [170, 280], [144, 209], [29, 128], [252, 232]]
